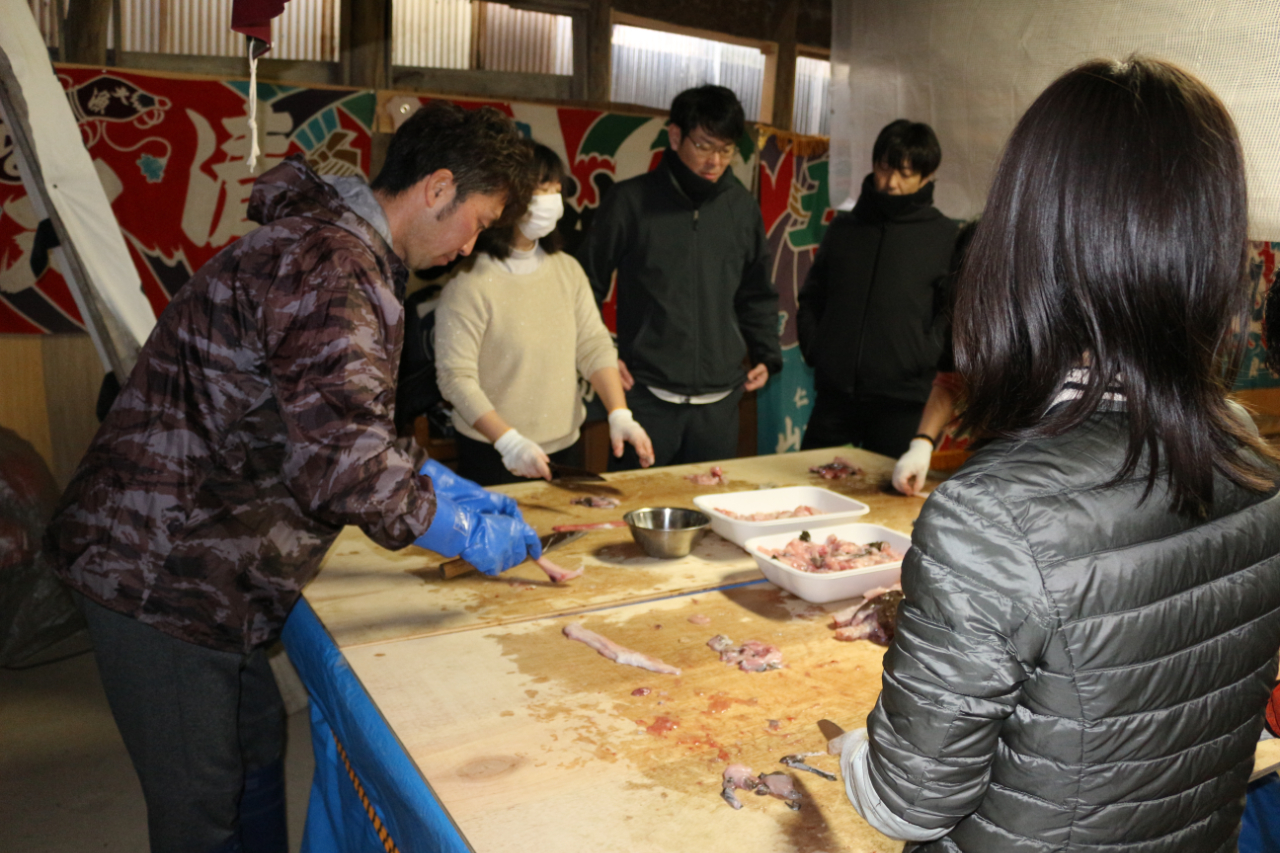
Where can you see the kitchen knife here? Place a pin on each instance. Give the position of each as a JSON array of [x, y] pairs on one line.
[[459, 566], [571, 474]]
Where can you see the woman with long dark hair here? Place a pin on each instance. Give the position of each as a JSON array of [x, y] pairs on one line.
[[1092, 603], [514, 329]]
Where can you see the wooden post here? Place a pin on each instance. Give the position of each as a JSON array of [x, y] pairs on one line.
[[366, 43], [599, 50], [86, 31], [784, 81]]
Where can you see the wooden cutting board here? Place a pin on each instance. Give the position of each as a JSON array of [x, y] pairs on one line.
[[366, 594], [534, 741]]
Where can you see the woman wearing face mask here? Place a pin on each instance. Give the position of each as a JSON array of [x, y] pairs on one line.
[[513, 332]]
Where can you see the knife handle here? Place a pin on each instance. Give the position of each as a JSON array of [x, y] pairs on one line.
[[455, 567]]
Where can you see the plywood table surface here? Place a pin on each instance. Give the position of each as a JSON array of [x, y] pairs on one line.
[[536, 742], [366, 594]]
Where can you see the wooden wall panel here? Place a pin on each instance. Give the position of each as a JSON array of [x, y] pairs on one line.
[[22, 393], [72, 376]]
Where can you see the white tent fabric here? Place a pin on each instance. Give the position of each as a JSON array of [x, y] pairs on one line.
[[971, 67], [69, 184]]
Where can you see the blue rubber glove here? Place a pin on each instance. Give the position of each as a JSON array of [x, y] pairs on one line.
[[462, 491], [489, 541]]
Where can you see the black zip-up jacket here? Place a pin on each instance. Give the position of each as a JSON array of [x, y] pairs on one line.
[[871, 318], [695, 294]]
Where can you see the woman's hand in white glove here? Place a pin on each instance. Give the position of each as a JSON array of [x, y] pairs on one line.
[[522, 456], [912, 469], [623, 428]]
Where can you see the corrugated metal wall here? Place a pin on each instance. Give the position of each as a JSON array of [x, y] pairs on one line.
[[306, 30], [812, 107], [45, 12], [652, 67], [515, 40], [431, 33]]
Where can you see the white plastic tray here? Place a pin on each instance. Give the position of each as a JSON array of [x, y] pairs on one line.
[[821, 588], [836, 509]]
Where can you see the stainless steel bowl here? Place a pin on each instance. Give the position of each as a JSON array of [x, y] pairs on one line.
[[665, 532]]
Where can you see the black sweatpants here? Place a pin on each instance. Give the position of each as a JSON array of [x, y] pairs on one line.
[[877, 424], [205, 730], [682, 432]]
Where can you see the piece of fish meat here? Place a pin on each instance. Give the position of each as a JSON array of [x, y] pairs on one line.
[[556, 573], [802, 511], [780, 785], [835, 555], [751, 656], [714, 477], [737, 776], [615, 652], [837, 468], [874, 620], [596, 502]]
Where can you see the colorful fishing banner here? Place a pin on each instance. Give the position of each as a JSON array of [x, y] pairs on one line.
[[171, 155]]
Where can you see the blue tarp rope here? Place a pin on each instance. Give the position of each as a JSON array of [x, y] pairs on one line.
[[343, 717]]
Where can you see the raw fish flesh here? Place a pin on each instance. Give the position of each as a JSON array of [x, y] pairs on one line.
[[751, 656], [836, 468], [615, 652], [737, 776], [779, 785], [596, 502], [556, 573], [715, 477], [834, 555], [801, 511], [875, 619]]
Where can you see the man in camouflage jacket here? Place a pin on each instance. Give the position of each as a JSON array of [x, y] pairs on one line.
[[257, 423]]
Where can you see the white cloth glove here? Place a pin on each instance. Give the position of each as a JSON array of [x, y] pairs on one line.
[[522, 456], [623, 427], [912, 469]]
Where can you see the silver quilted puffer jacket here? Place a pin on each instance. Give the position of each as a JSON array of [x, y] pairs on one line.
[[1076, 670]]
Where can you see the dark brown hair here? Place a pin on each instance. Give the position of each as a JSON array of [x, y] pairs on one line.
[[1115, 231], [482, 148], [497, 240]]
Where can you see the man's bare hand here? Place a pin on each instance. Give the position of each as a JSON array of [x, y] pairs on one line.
[[756, 377]]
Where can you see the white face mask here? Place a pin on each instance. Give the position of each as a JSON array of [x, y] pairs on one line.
[[544, 212]]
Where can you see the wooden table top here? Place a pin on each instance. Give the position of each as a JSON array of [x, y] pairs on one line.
[[524, 734], [366, 594], [533, 740]]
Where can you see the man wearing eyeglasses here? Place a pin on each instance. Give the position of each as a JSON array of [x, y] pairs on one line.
[[697, 312]]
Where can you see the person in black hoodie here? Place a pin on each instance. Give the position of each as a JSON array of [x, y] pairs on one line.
[[872, 312], [697, 310]]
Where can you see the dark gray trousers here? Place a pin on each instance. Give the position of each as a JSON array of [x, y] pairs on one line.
[[202, 727]]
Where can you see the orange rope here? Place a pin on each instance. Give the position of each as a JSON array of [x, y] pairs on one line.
[[387, 843]]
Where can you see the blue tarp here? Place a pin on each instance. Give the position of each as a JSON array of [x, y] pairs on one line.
[[1260, 830], [338, 820]]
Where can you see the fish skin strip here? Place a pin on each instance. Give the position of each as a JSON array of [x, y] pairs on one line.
[[615, 652], [556, 573], [796, 762]]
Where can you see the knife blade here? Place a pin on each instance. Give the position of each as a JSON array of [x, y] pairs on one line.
[[569, 473], [459, 566]]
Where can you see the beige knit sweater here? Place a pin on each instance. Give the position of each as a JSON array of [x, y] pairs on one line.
[[517, 343]]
